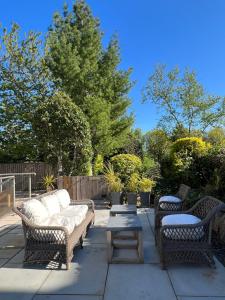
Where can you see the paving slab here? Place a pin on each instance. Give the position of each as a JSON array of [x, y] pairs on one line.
[[9, 253], [151, 255], [95, 236], [200, 298], [66, 297], [86, 276], [18, 258], [101, 218], [133, 282], [198, 281], [17, 283], [12, 240]]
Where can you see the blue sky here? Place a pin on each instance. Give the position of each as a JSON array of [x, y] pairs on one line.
[[184, 33]]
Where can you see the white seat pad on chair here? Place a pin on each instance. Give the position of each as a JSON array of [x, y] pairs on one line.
[[182, 233], [172, 199]]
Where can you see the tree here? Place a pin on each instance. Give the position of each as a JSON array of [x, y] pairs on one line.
[[90, 75], [134, 143], [63, 132], [216, 136], [157, 144], [24, 83], [183, 100]]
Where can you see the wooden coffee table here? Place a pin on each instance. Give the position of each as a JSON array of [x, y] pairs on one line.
[[123, 209], [124, 239]]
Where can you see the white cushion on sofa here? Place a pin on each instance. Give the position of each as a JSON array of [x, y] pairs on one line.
[[76, 212], [59, 220], [169, 199], [63, 198], [51, 203], [182, 234], [35, 211]]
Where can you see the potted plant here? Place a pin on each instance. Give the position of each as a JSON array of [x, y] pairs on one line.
[[132, 188], [49, 181], [114, 184], [145, 187]]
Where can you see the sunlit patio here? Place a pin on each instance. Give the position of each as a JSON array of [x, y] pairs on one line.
[[91, 277]]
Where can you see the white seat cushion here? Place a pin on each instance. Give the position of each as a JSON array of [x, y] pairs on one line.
[[51, 203], [168, 198], [35, 211], [76, 212], [181, 233], [63, 198]]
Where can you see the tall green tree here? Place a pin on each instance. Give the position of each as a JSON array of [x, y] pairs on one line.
[[24, 83], [89, 74], [64, 134], [183, 101]]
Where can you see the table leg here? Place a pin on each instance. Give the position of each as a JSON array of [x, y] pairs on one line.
[[109, 244]]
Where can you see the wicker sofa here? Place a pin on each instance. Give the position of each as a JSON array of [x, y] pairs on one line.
[[53, 225], [185, 236]]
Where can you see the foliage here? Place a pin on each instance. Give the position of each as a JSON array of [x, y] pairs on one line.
[[216, 136], [133, 183], [89, 74], [125, 165], [64, 135], [150, 168], [146, 184], [49, 181], [112, 179], [183, 100], [24, 83], [134, 144], [156, 144], [98, 165]]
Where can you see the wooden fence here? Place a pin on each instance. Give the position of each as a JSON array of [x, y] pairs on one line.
[[41, 169], [84, 187]]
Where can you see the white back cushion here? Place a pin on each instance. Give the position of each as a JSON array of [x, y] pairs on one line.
[[51, 203], [63, 198], [182, 234], [35, 211]]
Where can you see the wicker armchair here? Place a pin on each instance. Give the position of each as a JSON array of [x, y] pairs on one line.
[[188, 243], [53, 243], [170, 205]]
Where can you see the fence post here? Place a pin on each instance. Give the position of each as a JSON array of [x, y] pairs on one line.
[[29, 185], [14, 190], [0, 185]]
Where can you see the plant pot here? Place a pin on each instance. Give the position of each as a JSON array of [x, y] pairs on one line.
[[132, 198], [145, 199], [115, 198]]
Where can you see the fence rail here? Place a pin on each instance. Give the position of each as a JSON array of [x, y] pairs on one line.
[[84, 187], [7, 194], [22, 183]]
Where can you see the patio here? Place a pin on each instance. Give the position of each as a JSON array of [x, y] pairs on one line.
[[90, 276]]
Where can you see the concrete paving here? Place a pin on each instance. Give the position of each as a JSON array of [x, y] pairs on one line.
[[92, 278]]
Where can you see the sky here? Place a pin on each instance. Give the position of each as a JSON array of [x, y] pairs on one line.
[[184, 33]]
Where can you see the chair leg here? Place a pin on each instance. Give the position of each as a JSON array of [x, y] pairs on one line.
[[81, 242]]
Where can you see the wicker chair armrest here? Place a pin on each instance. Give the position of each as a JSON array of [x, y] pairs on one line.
[[88, 202]]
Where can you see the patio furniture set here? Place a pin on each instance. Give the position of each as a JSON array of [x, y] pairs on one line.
[[53, 225]]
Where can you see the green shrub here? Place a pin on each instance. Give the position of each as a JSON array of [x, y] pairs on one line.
[[185, 150], [133, 183], [125, 165], [98, 165], [146, 184], [112, 179]]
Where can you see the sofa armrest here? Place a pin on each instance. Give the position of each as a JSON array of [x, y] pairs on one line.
[[88, 202]]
